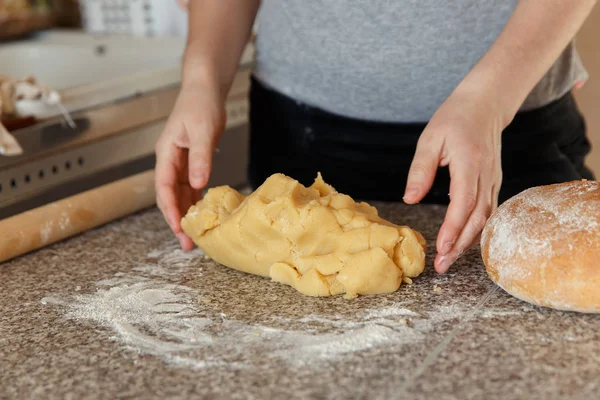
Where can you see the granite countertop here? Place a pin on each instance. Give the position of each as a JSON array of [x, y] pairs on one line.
[[121, 312]]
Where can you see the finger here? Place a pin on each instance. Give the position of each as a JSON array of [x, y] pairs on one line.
[[168, 160], [468, 237], [422, 169], [186, 197], [168, 207], [186, 243], [463, 198], [192, 195], [202, 144], [472, 230], [185, 202], [496, 189]]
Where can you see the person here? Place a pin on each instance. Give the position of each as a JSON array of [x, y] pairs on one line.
[[464, 103]]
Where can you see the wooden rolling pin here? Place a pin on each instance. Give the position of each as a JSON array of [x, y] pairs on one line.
[[64, 218]]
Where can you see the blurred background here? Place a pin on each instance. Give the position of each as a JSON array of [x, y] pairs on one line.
[[86, 87], [119, 19], [588, 43], [85, 90], [131, 17]]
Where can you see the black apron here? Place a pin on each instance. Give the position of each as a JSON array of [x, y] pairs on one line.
[[370, 160]]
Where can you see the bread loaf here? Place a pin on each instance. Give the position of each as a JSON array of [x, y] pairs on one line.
[[543, 246]]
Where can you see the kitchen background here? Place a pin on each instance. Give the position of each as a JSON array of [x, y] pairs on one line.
[[589, 96], [160, 18]]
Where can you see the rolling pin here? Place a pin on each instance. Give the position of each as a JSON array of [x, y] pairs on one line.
[[67, 217]]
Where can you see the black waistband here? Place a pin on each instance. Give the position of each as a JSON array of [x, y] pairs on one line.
[[360, 156]]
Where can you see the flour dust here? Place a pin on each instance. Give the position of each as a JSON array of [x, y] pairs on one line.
[[148, 312]]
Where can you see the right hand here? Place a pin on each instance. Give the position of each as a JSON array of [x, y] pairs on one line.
[[184, 153]]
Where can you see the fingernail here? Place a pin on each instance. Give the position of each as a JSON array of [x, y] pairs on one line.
[[446, 247], [444, 264], [199, 176], [411, 192]]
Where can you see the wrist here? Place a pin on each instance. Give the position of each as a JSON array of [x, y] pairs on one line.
[[200, 72], [490, 92], [198, 78]]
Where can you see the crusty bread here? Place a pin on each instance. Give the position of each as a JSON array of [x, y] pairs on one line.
[[543, 246]]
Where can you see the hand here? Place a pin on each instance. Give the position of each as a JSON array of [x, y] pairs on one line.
[[184, 153], [464, 134]]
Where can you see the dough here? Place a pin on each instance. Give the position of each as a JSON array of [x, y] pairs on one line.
[[314, 239], [543, 246]]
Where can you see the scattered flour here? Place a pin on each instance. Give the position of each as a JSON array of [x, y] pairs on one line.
[[64, 221], [50, 227], [390, 311], [147, 313], [304, 348], [172, 255], [46, 232]]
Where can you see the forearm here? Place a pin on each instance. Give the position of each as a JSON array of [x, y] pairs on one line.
[[532, 40], [218, 33]]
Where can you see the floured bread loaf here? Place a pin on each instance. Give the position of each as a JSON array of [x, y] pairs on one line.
[[543, 246], [314, 239]]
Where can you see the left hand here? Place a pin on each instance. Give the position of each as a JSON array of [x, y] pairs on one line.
[[465, 135]]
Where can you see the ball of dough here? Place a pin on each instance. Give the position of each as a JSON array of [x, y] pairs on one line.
[[543, 246], [314, 239]]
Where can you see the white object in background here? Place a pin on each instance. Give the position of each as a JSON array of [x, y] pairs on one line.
[[37, 100], [8, 144], [134, 17], [34, 108]]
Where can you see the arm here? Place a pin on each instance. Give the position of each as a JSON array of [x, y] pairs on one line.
[[464, 133], [532, 40], [218, 33]]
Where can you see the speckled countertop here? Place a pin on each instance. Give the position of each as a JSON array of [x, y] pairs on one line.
[[120, 312]]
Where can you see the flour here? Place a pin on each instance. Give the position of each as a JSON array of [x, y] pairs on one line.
[[390, 311], [380, 315], [64, 221], [173, 255], [305, 348], [48, 229], [150, 306], [46, 232], [146, 312]]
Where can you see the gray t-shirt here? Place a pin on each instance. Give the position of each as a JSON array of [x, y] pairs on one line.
[[386, 60]]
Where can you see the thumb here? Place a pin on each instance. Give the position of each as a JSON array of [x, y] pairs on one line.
[[202, 144], [422, 169]]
